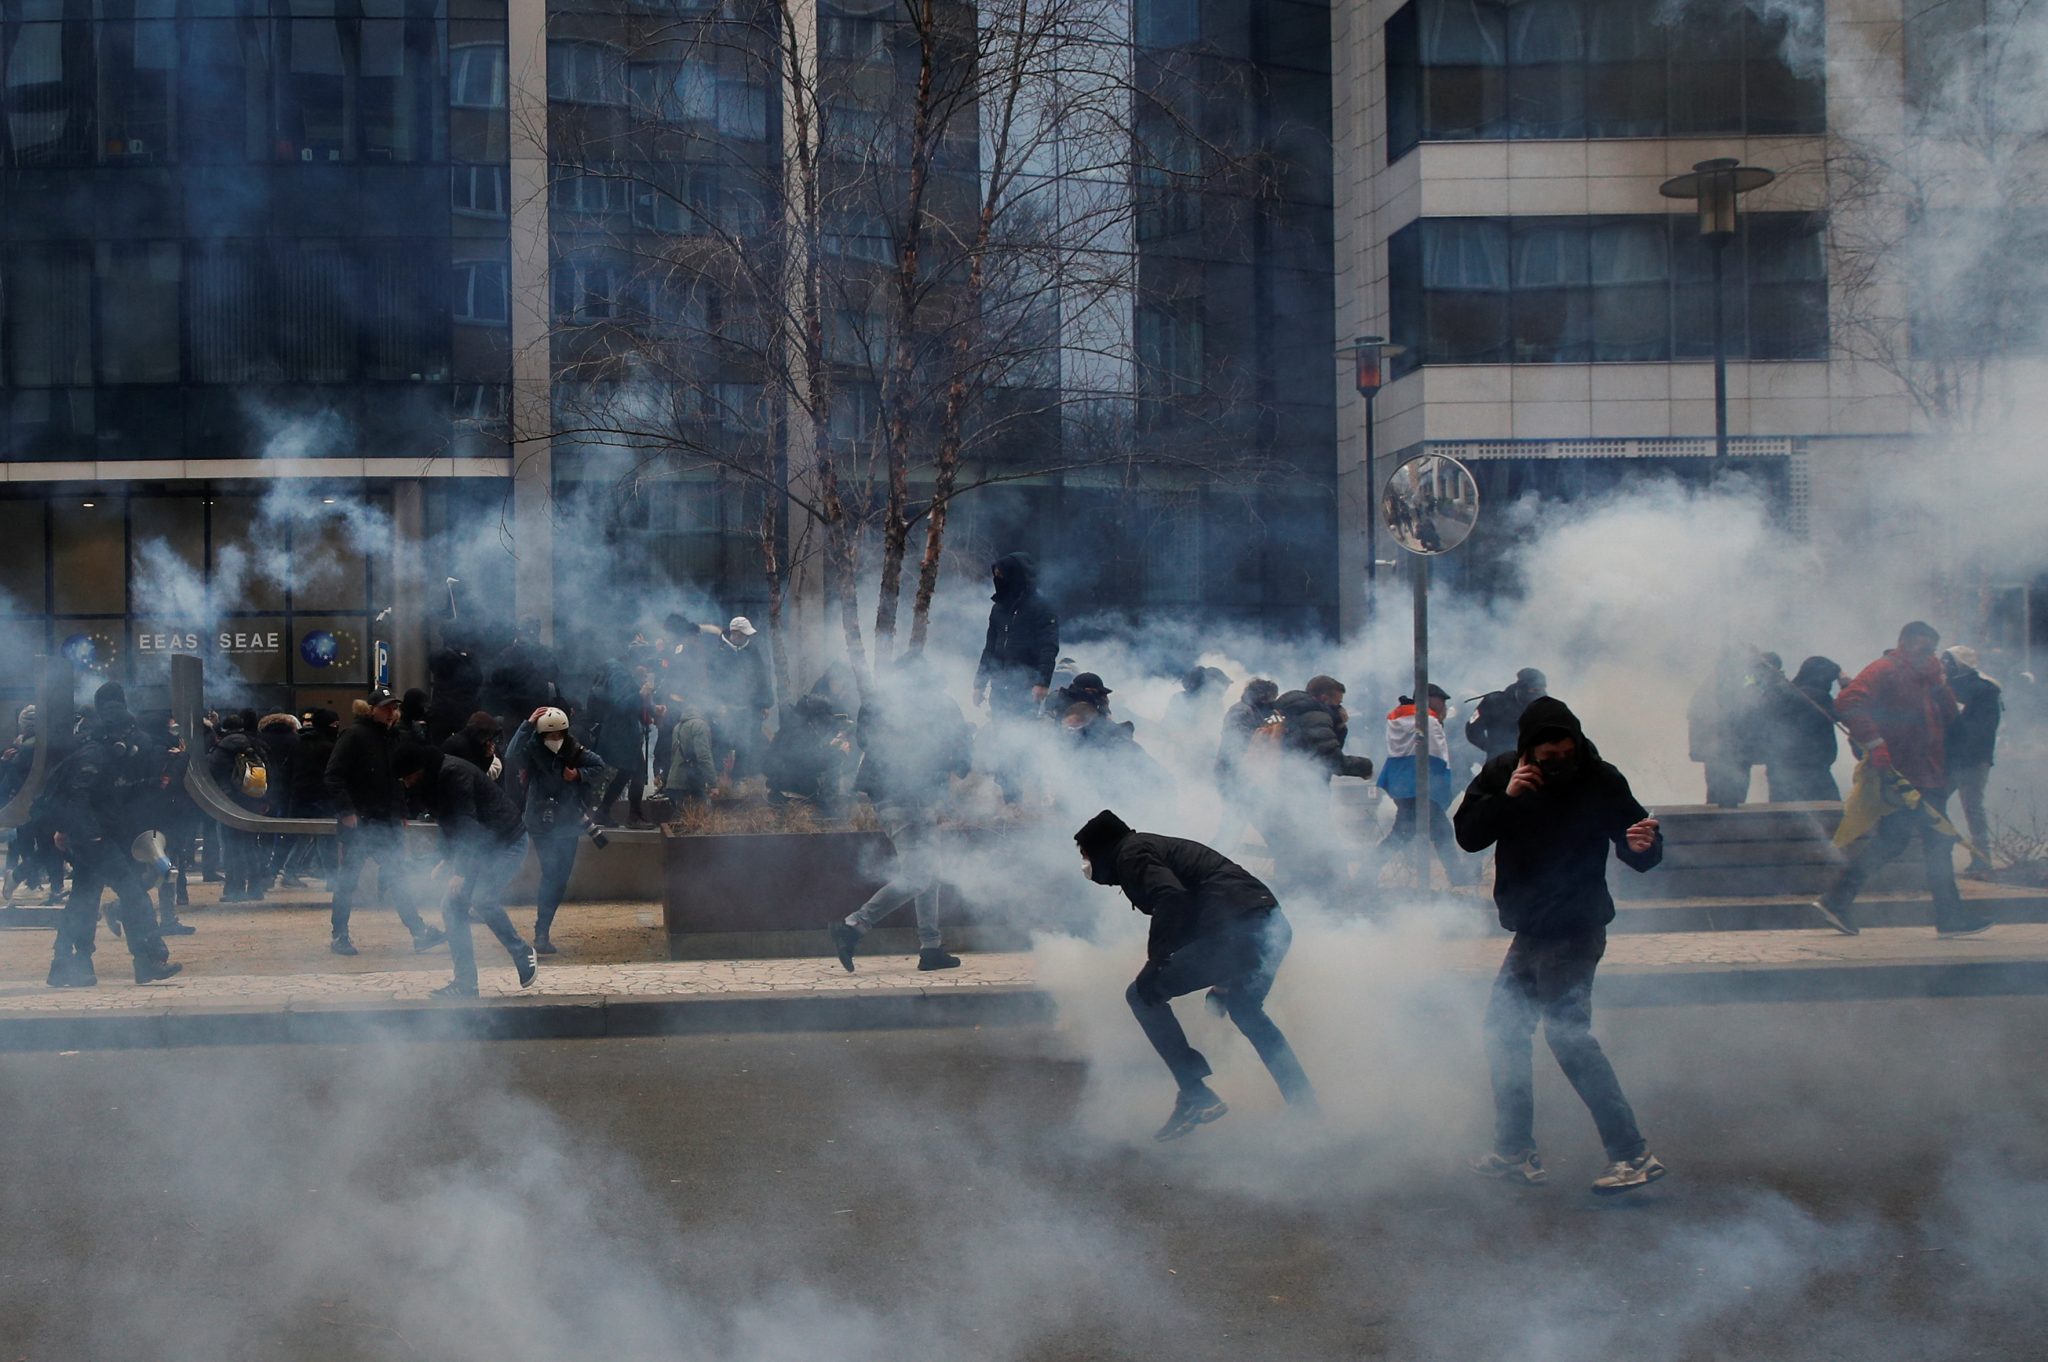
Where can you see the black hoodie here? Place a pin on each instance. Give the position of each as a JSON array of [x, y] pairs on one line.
[[1187, 889], [1023, 640], [1550, 873], [473, 814]]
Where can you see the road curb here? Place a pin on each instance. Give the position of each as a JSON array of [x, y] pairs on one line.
[[589, 1017]]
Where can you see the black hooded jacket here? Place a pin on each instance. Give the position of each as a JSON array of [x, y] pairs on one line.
[[1550, 872], [1023, 640], [110, 788], [1187, 889], [1313, 731], [474, 815], [359, 778]]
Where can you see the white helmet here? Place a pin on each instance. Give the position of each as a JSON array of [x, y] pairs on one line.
[[551, 720]]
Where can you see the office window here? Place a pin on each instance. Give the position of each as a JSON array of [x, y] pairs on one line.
[[1551, 320], [315, 289], [863, 39], [1465, 290], [1169, 188], [592, 195], [229, 326], [1626, 77], [1171, 358], [1547, 69], [1169, 23], [138, 311], [860, 236], [48, 92], [312, 92], [476, 76], [1563, 69], [405, 322], [585, 73], [1555, 290], [224, 109], [138, 83], [675, 92], [482, 293], [48, 296], [477, 191], [399, 91], [1630, 271], [743, 108], [586, 291]]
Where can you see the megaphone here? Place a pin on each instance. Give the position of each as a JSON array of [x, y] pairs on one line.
[[149, 849]]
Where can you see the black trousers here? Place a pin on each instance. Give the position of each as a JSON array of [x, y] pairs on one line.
[[104, 865], [383, 843], [1240, 963], [1550, 980]]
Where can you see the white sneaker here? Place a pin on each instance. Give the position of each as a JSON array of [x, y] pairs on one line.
[[1628, 1174], [1525, 1169]]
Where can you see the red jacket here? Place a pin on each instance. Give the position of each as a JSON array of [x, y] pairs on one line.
[[1907, 706]]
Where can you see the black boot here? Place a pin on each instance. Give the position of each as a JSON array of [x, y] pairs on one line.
[[541, 944], [845, 940], [71, 971], [932, 957], [151, 971]]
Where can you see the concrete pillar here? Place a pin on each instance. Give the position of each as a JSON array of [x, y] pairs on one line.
[[533, 465]]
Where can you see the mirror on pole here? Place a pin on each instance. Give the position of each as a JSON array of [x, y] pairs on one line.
[[1431, 504]]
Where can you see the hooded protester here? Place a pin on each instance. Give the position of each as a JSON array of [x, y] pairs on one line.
[[476, 742], [1214, 926], [1799, 735], [96, 803], [1495, 725], [412, 715], [1397, 778], [616, 715], [455, 683], [1301, 753], [319, 728], [1898, 711], [556, 776], [914, 743], [241, 767], [483, 842], [369, 807], [1972, 743], [1015, 672], [1085, 689], [1724, 729], [1553, 809]]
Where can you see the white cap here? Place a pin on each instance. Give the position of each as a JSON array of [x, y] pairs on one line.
[[1964, 654], [741, 625]]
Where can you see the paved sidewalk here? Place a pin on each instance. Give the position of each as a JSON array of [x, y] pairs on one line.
[[260, 973]]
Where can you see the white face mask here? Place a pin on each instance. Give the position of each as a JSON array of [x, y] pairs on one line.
[[1087, 868], [553, 742]]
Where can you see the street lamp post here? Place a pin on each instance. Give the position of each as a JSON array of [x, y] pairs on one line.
[[1431, 504], [1369, 355], [1714, 186]]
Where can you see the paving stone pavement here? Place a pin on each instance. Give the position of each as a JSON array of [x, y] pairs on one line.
[[274, 956]]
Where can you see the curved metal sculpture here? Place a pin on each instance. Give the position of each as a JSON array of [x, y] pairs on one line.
[[188, 705], [53, 697]]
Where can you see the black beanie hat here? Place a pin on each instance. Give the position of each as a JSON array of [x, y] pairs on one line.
[[1101, 833], [110, 696]]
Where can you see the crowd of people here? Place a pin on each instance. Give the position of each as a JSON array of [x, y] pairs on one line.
[[499, 759]]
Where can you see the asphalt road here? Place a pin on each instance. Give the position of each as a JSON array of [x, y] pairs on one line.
[[1856, 1181]]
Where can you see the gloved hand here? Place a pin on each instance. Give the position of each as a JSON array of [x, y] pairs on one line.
[[1146, 986], [1880, 757]]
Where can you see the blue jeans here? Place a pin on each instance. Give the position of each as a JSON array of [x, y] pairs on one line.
[[1242, 964], [911, 829], [1550, 980], [557, 861], [482, 897]]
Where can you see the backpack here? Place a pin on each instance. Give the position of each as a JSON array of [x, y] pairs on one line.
[[1265, 749], [252, 776]]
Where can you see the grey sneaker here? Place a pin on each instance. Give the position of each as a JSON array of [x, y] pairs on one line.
[[1525, 1169], [1974, 927], [1838, 918], [1628, 1174], [1197, 1107]]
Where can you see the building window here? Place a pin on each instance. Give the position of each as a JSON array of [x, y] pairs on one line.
[[138, 311], [138, 76], [481, 293], [47, 92], [1565, 290], [1169, 189], [593, 195], [586, 291], [584, 73], [47, 293], [1171, 362], [677, 93], [1169, 23], [476, 77], [1462, 70], [477, 191], [863, 40], [860, 236]]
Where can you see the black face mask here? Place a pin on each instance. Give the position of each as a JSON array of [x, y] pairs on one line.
[[1558, 770]]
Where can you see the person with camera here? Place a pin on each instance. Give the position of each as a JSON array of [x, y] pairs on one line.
[[555, 774], [483, 842]]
